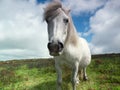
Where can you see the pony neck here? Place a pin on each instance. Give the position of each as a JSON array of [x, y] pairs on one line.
[[72, 36]]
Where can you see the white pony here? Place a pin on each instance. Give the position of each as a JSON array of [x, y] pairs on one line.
[[65, 44]]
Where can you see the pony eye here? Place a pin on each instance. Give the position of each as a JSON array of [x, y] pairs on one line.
[[65, 20]]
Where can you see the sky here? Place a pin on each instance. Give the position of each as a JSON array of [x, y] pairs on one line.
[[23, 33]]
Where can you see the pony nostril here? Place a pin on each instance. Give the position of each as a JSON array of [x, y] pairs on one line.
[[60, 46], [49, 45]]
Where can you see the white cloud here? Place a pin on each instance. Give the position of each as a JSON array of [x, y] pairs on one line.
[[105, 27], [80, 6], [23, 34]]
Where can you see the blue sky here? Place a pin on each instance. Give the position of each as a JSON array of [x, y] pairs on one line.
[[23, 34], [81, 23]]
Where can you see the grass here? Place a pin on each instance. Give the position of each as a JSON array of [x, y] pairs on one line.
[[103, 73]]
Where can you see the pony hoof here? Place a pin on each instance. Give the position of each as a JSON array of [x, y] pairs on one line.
[[85, 78], [77, 82]]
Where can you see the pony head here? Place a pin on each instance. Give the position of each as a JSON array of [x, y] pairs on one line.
[[58, 20]]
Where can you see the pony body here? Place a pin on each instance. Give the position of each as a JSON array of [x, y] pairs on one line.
[[65, 44]]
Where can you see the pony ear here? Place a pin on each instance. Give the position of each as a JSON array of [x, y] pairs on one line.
[[69, 10]]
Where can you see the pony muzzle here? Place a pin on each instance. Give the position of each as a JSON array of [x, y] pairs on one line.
[[55, 49]]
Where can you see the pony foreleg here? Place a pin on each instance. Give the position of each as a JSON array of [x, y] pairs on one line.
[[74, 75], [85, 74], [59, 76]]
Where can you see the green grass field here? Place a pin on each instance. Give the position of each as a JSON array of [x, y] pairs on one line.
[[103, 73]]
